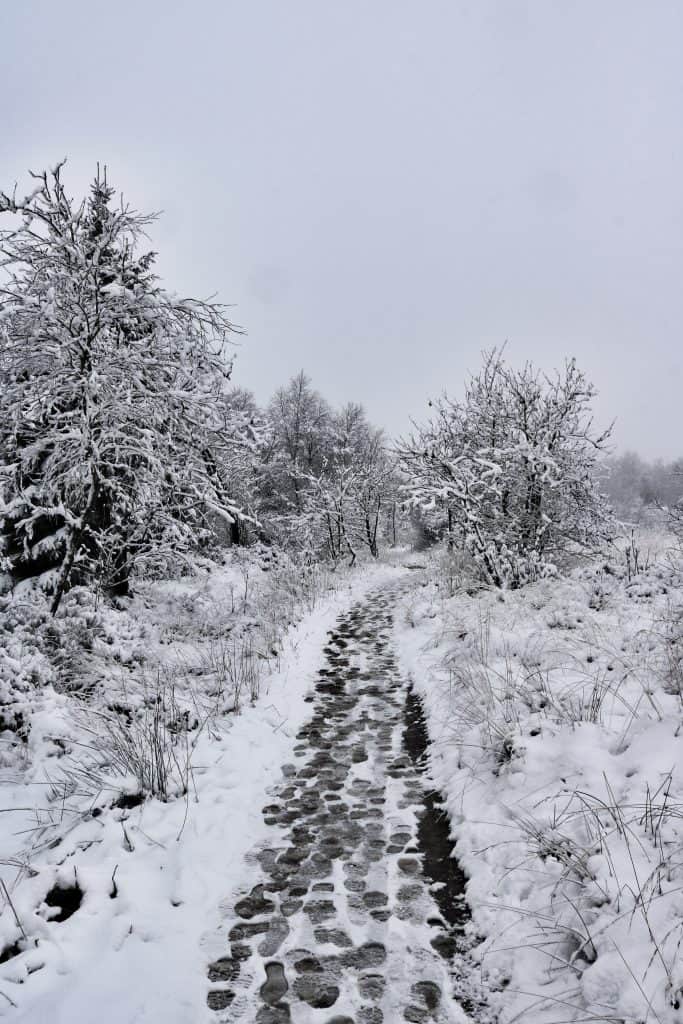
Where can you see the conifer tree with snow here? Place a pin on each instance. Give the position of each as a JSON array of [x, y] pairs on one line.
[[512, 469], [112, 426]]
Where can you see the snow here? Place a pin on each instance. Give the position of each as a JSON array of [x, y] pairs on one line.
[[555, 715], [555, 718], [141, 954]]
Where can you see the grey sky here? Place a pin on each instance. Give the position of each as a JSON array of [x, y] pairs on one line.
[[383, 187]]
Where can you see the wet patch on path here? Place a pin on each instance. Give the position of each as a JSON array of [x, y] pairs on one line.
[[433, 837]]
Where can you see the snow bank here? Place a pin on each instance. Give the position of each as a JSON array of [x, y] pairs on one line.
[[555, 713]]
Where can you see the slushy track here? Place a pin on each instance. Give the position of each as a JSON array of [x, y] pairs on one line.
[[343, 927]]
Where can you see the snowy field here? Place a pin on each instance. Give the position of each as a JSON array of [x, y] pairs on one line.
[[555, 713]]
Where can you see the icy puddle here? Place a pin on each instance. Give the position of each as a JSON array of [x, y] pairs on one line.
[[359, 904]]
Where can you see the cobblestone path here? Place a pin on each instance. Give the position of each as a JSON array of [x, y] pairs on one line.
[[344, 927]]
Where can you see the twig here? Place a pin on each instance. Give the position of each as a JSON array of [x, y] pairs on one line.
[[14, 909]]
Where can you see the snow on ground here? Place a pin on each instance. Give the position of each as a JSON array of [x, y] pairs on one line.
[[556, 716], [152, 875]]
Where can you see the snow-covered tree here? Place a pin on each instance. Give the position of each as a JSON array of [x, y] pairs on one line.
[[513, 468], [237, 453], [299, 420], [295, 441], [352, 485], [112, 424], [327, 482]]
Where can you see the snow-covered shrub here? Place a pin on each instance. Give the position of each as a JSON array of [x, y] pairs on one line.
[[667, 631], [611, 878], [235, 669], [26, 664], [513, 470], [145, 745], [451, 568], [599, 594], [299, 583], [566, 615]]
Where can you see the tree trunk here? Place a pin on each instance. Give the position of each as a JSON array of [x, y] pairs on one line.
[[119, 584], [64, 572], [368, 531], [73, 542], [371, 530], [333, 549], [235, 535]]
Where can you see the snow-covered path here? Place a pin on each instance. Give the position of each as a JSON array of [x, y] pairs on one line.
[[342, 925]]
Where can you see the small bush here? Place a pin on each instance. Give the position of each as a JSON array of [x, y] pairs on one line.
[[149, 744]]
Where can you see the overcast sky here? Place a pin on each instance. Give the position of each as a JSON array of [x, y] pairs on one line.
[[383, 188]]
